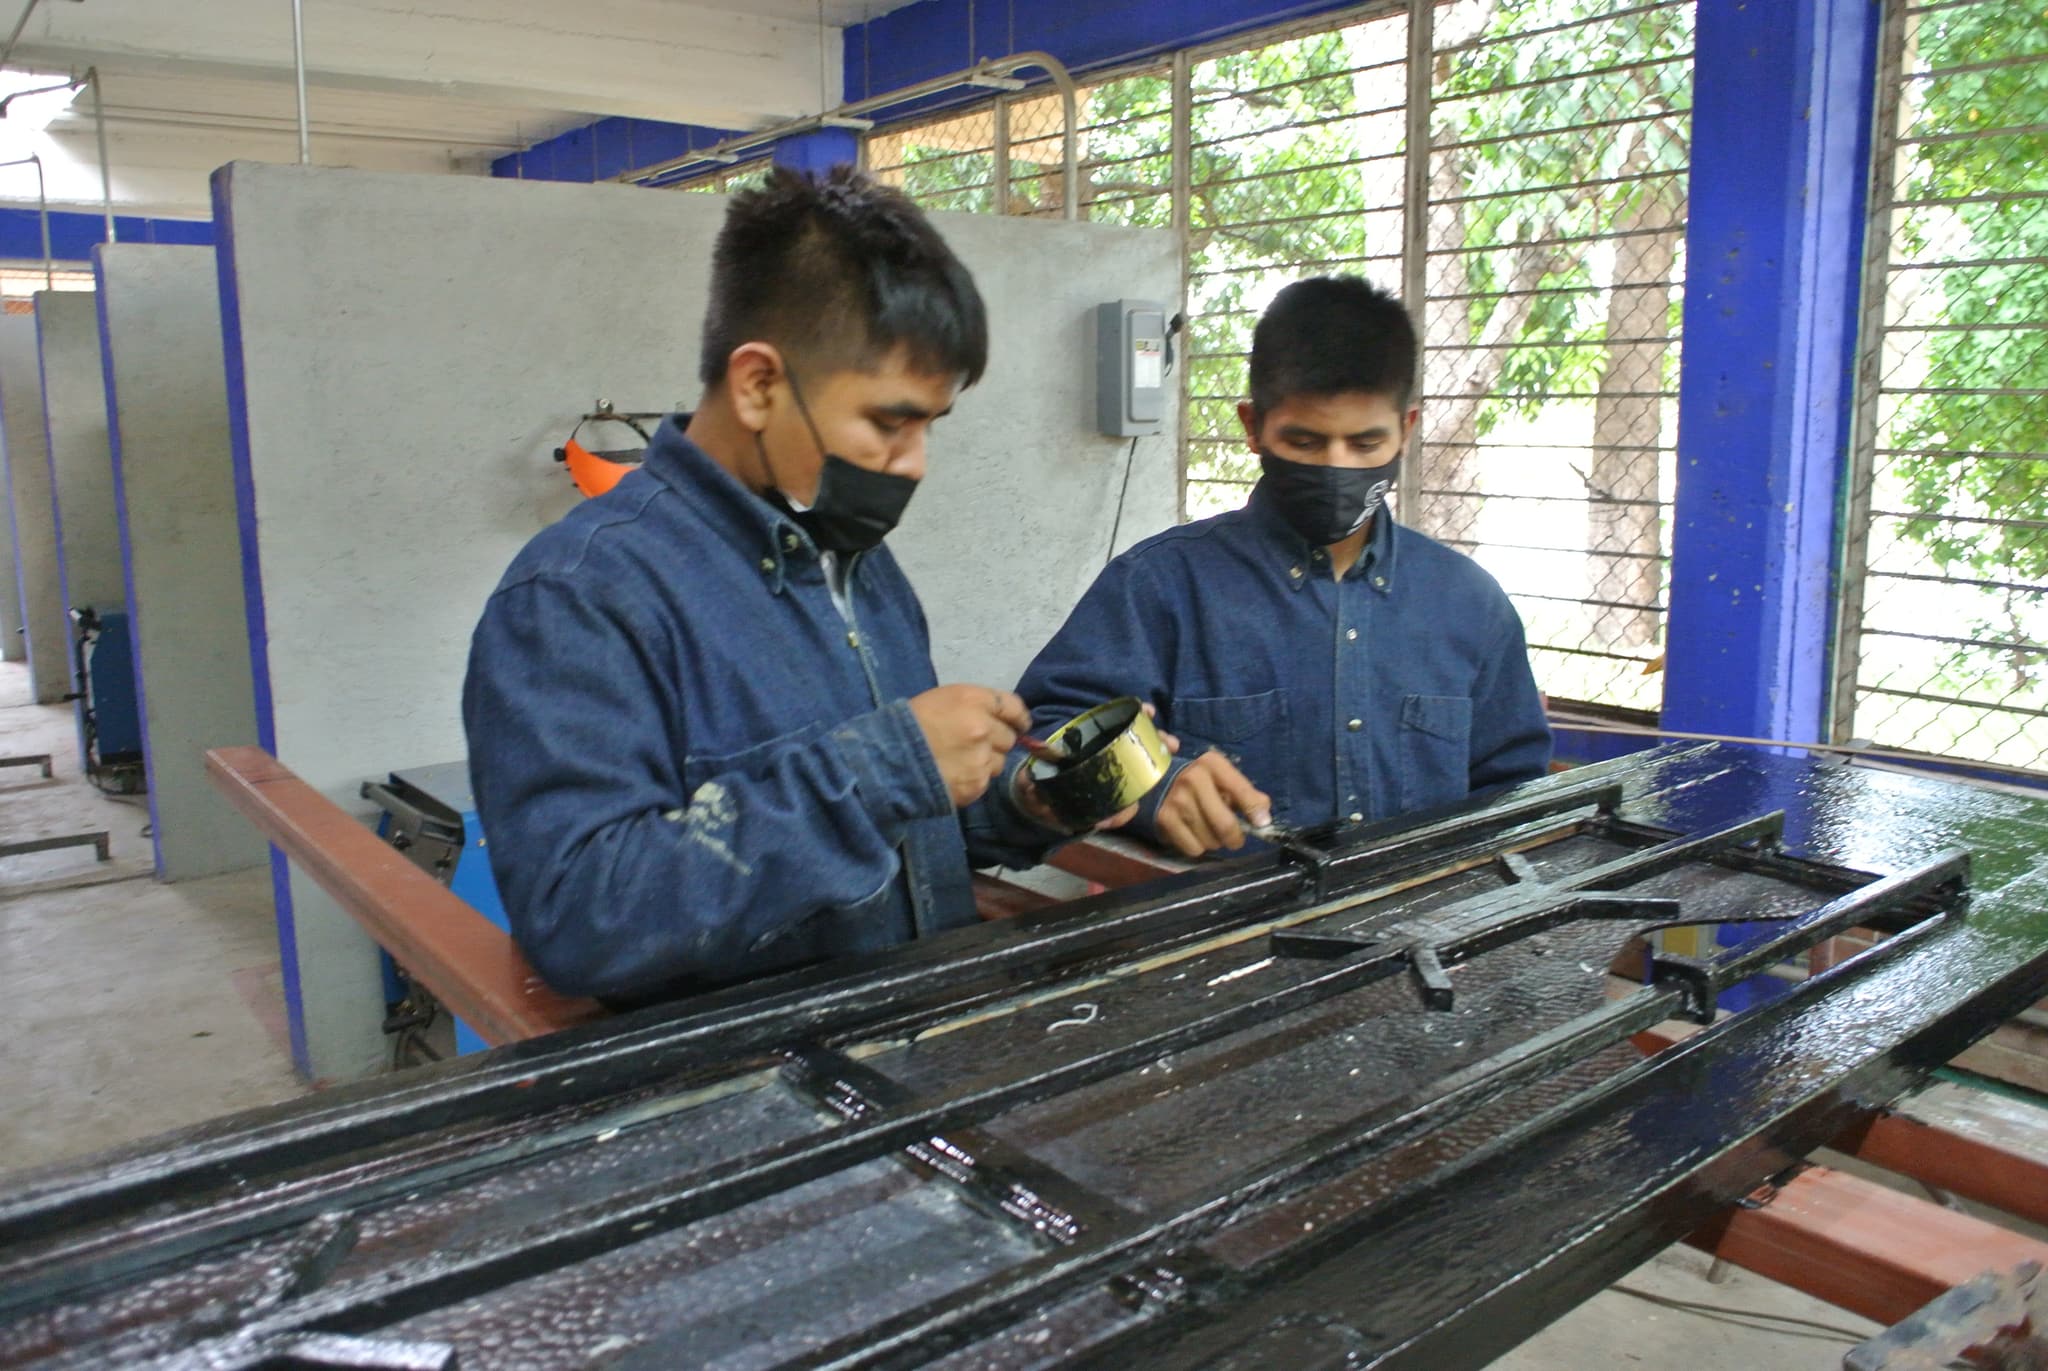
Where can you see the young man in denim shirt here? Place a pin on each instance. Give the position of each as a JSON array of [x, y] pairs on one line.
[[705, 736], [1317, 660]]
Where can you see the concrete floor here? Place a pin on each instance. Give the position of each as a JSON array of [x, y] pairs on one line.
[[134, 1008]]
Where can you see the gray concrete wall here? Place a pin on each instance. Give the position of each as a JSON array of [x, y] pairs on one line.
[[412, 350], [1014, 517], [34, 518], [168, 414], [75, 417]]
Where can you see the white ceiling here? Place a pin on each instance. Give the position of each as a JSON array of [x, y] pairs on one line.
[[419, 85]]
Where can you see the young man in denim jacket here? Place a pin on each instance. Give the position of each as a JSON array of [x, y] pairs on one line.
[[705, 735], [1318, 660]]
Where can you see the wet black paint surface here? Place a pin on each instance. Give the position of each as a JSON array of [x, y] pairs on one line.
[[1439, 1249]]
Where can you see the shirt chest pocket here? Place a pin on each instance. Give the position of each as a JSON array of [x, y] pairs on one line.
[[1253, 731], [1436, 750]]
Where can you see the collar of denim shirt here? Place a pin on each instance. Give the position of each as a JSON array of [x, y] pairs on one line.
[[1291, 551], [757, 529]]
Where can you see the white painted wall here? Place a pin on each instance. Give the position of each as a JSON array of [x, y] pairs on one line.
[[168, 412], [75, 417], [34, 518], [412, 349]]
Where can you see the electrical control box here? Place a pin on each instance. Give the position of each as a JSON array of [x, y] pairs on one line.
[[1130, 367]]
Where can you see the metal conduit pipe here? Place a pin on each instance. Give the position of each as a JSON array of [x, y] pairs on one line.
[[15, 37], [99, 120], [42, 213], [997, 72], [299, 71]]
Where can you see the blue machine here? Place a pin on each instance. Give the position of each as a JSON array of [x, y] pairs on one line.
[[109, 714], [430, 816]]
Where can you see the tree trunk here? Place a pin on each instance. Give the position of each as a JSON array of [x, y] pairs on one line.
[[1461, 364]]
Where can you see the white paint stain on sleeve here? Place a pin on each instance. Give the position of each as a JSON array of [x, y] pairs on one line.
[[708, 823]]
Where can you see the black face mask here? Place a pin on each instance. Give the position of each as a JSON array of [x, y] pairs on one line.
[[855, 508], [1326, 505]]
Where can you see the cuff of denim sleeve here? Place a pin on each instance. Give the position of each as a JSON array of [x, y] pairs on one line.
[[1146, 825], [893, 765]]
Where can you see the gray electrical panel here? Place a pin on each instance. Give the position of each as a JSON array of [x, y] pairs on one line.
[[1130, 367]]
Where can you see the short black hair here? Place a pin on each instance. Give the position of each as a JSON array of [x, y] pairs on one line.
[[837, 271], [1332, 335]]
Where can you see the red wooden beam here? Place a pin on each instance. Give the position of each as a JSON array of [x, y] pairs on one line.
[[1863, 1247], [468, 962], [1971, 1164], [1114, 863]]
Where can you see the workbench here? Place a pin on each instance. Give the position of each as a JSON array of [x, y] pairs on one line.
[[1374, 1109]]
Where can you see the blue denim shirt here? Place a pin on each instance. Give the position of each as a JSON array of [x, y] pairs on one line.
[[1403, 686], [690, 766]]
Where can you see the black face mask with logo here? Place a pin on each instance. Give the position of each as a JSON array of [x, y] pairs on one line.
[[855, 508], [1325, 504]]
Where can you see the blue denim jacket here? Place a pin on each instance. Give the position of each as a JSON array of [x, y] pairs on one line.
[[690, 766], [1403, 686]]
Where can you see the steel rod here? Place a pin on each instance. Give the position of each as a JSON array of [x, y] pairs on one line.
[[7, 53], [1415, 163], [99, 120], [299, 75]]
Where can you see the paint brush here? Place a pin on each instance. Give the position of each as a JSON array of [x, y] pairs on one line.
[[1042, 750]]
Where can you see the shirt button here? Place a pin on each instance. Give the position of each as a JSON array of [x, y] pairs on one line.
[[767, 564], [1357, 818], [853, 639], [1351, 635], [1380, 581], [1354, 725], [789, 541], [1295, 572]]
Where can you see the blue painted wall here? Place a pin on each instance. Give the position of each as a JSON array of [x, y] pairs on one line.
[[603, 150], [932, 37], [914, 44], [600, 151], [73, 235]]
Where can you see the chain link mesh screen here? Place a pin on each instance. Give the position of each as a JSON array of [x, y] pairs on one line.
[[1298, 169], [1553, 272], [1945, 625], [947, 163], [728, 179], [1551, 253]]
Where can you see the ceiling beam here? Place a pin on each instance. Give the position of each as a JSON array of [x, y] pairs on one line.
[[652, 59]]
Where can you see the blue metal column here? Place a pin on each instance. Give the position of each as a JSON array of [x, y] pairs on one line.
[[1783, 93]]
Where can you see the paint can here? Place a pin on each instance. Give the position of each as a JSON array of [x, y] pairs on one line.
[[1114, 757]]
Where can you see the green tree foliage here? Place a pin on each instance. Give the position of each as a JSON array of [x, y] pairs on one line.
[[1988, 175], [1971, 423]]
